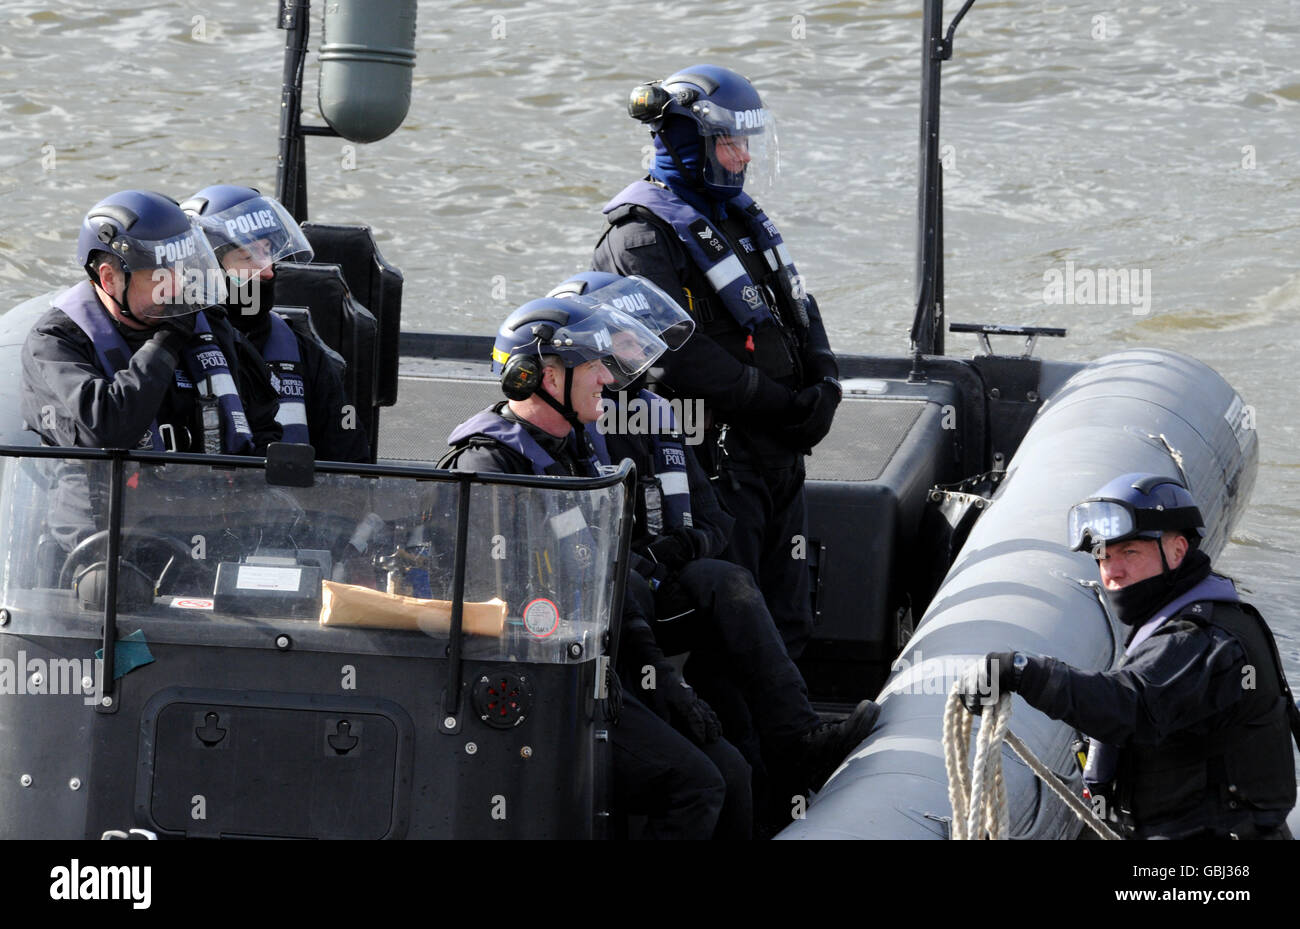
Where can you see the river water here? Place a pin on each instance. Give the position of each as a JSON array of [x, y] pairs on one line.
[[1158, 139]]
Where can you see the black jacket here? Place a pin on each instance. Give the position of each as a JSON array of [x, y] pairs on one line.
[[70, 402], [752, 390], [1204, 744]]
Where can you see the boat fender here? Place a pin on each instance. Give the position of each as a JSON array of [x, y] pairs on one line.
[[367, 58]]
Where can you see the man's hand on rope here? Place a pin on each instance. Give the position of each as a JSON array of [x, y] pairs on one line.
[[987, 678]]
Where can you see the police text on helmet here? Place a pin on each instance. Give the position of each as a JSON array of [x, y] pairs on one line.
[[249, 223], [750, 119], [174, 250], [631, 303]]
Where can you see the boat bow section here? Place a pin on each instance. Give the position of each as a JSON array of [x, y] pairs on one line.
[[1016, 586]]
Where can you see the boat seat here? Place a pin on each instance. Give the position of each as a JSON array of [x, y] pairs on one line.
[[299, 320], [868, 483], [321, 292], [375, 283]]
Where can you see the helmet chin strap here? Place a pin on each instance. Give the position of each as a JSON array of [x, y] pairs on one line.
[[566, 409], [123, 306]]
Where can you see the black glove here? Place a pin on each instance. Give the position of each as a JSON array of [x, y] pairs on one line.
[[986, 679], [689, 713], [817, 405], [648, 568], [674, 549]]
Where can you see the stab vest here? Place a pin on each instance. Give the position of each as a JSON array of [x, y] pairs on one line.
[[204, 363], [498, 430], [1221, 778], [284, 361], [665, 499], [491, 428], [708, 249]]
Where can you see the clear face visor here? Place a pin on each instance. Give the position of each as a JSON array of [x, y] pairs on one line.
[[626, 347], [253, 235], [649, 305], [740, 147], [183, 272], [1094, 522]]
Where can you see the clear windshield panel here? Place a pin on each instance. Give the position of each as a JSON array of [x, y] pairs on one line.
[[218, 556]]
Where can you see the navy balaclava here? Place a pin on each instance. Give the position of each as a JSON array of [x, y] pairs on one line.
[[685, 139]]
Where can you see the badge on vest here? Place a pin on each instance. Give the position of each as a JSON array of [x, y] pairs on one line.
[[709, 240], [749, 293]]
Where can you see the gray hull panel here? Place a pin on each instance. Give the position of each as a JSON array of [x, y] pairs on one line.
[[1015, 586]]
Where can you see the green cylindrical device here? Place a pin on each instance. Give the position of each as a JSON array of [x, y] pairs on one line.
[[366, 60]]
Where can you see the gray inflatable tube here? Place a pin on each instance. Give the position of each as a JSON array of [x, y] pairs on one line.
[[1016, 586]]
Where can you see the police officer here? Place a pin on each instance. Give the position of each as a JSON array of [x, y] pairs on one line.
[[763, 364], [1189, 734], [128, 359], [555, 357], [703, 605], [250, 233]]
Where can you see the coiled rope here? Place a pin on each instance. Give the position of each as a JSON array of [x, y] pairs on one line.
[[979, 795]]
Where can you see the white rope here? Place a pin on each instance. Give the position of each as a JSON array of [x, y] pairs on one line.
[[979, 796]]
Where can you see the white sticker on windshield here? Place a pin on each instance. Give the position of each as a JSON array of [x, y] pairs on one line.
[[253, 577]]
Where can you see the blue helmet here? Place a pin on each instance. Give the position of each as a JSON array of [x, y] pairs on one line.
[[637, 297], [1135, 506], [243, 217], [576, 331], [147, 231], [738, 132]]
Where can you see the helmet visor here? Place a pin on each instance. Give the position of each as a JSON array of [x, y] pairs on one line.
[[183, 271], [626, 347], [734, 155], [648, 304], [255, 234], [1096, 521]]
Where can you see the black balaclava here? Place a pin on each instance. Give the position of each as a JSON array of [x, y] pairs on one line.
[[257, 293]]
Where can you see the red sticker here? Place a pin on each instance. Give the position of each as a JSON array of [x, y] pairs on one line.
[[191, 603], [541, 617]]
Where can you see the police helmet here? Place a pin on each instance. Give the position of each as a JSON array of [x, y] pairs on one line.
[[149, 232], [637, 297], [237, 217], [739, 133], [577, 331], [1135, 506]]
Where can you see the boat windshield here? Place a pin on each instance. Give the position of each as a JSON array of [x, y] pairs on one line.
[[358, 562]]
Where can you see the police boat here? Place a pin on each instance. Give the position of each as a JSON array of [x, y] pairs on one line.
[[287, 648]]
